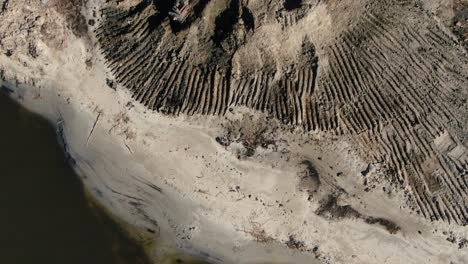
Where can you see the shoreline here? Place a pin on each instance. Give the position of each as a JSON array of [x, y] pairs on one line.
[[38, 181], [199, 195], [94, 181]]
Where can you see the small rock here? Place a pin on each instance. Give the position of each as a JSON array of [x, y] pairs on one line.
[[110, 83]]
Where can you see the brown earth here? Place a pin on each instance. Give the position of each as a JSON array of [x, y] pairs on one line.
[[384, 74]]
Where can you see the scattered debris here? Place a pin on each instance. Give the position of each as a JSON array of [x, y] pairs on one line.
[[250, 132], [110, 84], [258, 233], [463, 243], [32, 50], [120, 119], [4, 6], [128, 147], [292, 243], [94, 126], [367, 170]]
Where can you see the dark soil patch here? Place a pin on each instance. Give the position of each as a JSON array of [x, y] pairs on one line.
[[330, 209], [389, 225], [248, 18], [4, 6], [225, 22], [71, 9], [292, 4], [460, 22]]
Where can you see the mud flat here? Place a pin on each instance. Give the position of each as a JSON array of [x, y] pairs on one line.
[[258, 133]]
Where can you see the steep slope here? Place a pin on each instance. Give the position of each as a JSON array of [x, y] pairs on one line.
[[386, 75]]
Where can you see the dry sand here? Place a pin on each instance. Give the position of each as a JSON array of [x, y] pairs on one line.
[[171, 176]]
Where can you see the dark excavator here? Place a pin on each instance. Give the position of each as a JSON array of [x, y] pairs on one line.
[[180, 10]]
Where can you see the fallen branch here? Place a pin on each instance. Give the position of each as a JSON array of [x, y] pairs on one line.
[[92, 129]]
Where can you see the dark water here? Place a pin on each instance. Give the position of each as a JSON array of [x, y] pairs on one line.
[[44, 215]]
